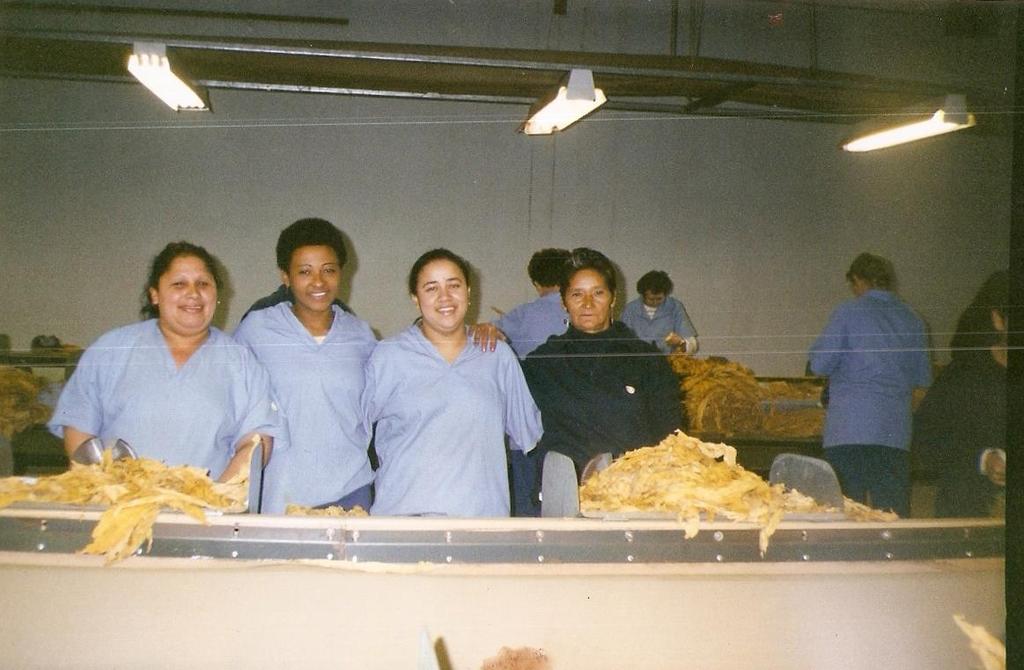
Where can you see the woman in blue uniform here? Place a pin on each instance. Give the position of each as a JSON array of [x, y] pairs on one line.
[[173, 387], [315, 352], [443, 406], [658, 318]]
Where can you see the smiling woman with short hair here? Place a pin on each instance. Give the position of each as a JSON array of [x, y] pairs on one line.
[[315, 352]]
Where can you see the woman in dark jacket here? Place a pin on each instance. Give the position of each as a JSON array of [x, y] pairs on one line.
[[960, 427], [599, 387]]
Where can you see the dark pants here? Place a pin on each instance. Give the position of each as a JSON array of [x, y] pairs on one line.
[[873, 474], [362, 496], [525, 477]]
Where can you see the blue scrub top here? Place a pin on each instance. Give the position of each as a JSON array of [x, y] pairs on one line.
[[874, 352], [531, 324], [441, 427], [318, 387], [127, 386], [670, 317]]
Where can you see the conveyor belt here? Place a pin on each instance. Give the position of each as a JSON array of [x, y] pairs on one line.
[[524, 541]]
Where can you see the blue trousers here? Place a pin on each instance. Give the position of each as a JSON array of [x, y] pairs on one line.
[[873, 474]]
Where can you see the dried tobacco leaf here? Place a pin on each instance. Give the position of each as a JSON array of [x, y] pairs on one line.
[[134, 492]]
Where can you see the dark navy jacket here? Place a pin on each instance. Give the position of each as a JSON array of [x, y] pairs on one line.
[[602, 392]]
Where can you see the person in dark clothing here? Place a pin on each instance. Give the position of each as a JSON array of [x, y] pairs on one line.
[[960, 426], [599, 387]]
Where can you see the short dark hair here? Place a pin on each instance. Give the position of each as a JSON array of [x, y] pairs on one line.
[[974, 329], [162, 262], [875, 270], [546, 266], [655, 281], [436, 255], [309, 233], [583, 258]]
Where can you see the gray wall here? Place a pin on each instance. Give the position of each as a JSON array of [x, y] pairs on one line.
[[755, 220]]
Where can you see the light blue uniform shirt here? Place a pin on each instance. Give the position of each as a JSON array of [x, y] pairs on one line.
[[318, 387], [669, 317], [441, 426], [127, 386], [531, 324], [874, 352]]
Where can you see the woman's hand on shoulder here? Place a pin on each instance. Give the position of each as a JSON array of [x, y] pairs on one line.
[[486, 336]]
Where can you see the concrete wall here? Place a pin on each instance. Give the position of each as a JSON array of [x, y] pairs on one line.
[[755, 220]]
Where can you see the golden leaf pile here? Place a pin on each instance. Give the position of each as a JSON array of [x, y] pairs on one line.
[[724, 397], [333, 510], [987, 647], [720, 396], [690, 478], [19, 401], [135, 492]]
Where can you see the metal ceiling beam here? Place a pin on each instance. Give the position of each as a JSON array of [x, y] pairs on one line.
[[168, 12], [467, 73], [635, 65]]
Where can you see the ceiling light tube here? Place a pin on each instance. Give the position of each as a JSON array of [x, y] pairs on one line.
[[150, 66], [950, 116], [570, 103]]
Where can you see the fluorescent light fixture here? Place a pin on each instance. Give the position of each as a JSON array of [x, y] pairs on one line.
[[150, 66], [570, 103], [949, 115]]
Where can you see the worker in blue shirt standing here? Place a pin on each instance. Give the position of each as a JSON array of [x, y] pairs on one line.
[[657, 318], [874, 352], [529, 325], [526, 327]]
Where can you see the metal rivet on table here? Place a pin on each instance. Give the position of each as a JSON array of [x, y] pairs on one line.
[[629, 536], [719, 536]]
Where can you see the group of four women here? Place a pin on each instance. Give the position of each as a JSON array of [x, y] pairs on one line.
[[311, 380]]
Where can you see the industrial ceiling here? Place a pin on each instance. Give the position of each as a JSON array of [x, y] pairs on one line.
[[683, 84]]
